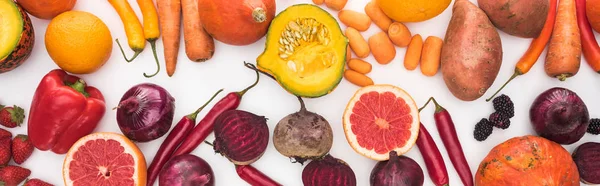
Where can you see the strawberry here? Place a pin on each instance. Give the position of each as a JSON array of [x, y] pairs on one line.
[[36, 182], [5, 153], [11, 117], [13, 175], [5, 133], [21, 148]]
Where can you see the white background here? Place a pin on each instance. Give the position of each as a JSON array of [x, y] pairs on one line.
[[193, 83]]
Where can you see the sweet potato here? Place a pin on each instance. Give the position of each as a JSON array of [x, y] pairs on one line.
[[472, 52], [523, 18]]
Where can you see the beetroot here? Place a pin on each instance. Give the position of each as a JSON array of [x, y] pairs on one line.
[[587, 159], [558, 114], [186, 170], [328, 171], [303, 135], [241, 136], [399, 171]]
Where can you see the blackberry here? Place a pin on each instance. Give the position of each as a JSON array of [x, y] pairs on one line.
[[500, 120], [483, 129], [594, 127], [503, 103]]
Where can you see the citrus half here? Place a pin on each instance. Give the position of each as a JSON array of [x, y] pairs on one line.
[[104, 159], [380, 119]]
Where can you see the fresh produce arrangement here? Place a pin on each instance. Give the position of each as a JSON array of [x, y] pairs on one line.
[[306, 48]]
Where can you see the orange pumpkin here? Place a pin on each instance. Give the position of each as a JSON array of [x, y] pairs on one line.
[[236, 22], [527, 161]]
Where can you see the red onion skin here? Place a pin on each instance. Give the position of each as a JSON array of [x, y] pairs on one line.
[[145, 112], [241, 136], [186, 170], [587, 158], [328, 171], [559, 114], [398, 171]]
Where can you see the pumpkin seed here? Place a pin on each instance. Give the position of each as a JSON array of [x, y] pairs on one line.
[[283, 56]]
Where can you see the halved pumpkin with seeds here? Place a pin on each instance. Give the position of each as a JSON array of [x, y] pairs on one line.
[[305, 51]]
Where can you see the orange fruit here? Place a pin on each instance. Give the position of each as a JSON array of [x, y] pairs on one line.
[[413, 10], [104, 158], [78, 42], [380, 119]]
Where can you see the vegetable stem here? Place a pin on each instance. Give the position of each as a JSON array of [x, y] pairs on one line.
[[241, 93], [517, 73], [79, 86], [438, 108], [302, 105], [137, 52], [153, 45], [194, 115]]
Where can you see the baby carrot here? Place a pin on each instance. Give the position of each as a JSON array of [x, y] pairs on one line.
[[151, 31], [348, 53], [536, 48], [357, 78], [399, 34], [133, 28], [377, 16], [318, 2], [354, 19], [336, 4], [413, 53], [358, 43], [564, 51], [360, 66], [382, 48], [430, 55]]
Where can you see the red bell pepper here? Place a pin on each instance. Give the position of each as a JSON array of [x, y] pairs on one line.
[[63, 110]]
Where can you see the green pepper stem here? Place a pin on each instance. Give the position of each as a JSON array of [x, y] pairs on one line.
[[79, 86], [517, 73], [153, 45], [241, 93], [137, 52], [193, 116], [438, 108]]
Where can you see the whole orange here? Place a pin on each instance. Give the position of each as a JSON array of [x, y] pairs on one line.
[[78, 42], [413, 10], [46, 9], [593, 13]]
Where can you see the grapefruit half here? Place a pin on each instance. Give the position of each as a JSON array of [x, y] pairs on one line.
[[104, 159], [380, 119]]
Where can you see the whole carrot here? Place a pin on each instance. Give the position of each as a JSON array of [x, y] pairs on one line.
[[564, 52], [207, 124], [432, 157], [133, 28], [151, 31], [591, 50], [199, 46], [535, 49], [253, 176], [169, 12], [179, 132], [447, 132]]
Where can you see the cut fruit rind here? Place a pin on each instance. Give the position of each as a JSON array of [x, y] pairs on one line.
[[113, 155], [11, 26], [373, 129], [305, 51]]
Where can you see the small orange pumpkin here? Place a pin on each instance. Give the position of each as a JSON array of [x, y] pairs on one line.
[[236, 22], [527, 161]]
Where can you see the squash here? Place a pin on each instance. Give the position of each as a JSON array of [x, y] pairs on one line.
[[527, 160], [305, 51], [236, 22], [16, 35]]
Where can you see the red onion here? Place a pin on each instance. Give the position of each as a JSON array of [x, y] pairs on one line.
[[186, 169], [400, 171], [558, 114], [145, 112], [241, 136], [328, 171]]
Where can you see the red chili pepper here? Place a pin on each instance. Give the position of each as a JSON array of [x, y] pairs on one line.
[[432, 157], [179, 132], [63, 110], [254, 177], [445, 126], [207, 124], [591, 50]]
